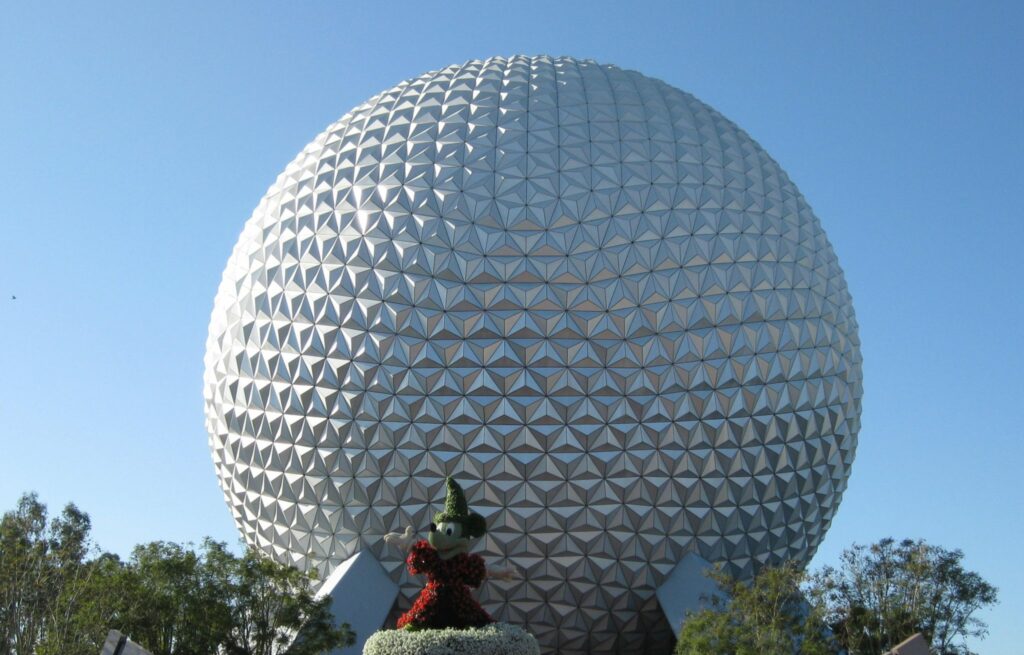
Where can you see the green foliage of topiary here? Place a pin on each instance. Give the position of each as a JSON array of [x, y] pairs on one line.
[[456, 509]]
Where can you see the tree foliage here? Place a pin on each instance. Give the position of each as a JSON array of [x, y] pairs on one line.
[[173, 599], [883, 593], [87, 608], [40, 560], [270, 604], [768, 616], [60, 596]]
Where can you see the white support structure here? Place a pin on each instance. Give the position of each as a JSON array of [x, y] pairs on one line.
[[687, 589], [361, 595]]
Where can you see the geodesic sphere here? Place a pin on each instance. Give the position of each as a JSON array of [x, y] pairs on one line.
[[588, 296]]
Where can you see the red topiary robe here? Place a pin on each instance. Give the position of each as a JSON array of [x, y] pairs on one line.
[[446, 601]]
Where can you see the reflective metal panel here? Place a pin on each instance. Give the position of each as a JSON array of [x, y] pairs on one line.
[[584, 293]]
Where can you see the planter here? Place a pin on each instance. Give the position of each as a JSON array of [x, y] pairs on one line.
[[494, 639]]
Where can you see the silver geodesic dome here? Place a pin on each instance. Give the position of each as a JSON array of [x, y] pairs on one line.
[[584, 293]]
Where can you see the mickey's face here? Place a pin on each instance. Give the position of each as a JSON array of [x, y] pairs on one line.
[[446, 537]]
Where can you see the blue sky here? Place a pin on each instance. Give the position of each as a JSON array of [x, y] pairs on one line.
[[136, 140]]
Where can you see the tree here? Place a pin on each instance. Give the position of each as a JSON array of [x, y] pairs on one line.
[[767, 616], [271, 604], [39, 560], [60, 596], [86, 609], [175, 600], [180, 601], [883, 593]]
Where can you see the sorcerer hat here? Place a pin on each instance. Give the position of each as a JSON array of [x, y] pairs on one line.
[[456, 510]]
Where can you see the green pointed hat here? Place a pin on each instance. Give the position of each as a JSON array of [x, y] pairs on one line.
[[456, 510]]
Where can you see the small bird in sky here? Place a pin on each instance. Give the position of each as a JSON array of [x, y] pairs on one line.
[[14, 297]]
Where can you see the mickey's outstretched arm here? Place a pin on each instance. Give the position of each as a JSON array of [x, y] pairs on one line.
[[505, 575], [404, 542]]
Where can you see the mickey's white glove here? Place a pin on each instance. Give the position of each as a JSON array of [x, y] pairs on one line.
[[505, 575], [402, 541]]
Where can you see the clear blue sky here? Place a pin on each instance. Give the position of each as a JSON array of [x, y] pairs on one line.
[[135, 140]]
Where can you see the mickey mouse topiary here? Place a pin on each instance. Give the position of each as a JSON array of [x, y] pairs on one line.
[[446, 601], [445, 617]]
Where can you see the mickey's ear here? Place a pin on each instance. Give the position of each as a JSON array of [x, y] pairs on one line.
[[475, 525]]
